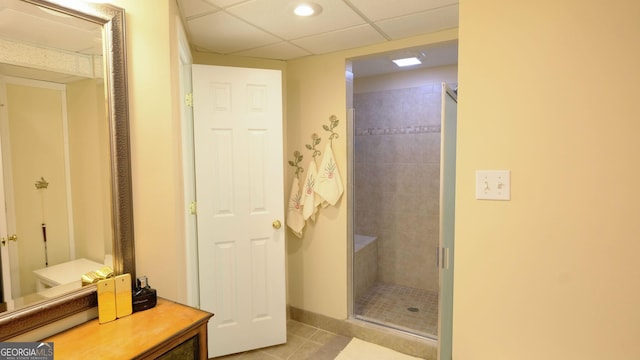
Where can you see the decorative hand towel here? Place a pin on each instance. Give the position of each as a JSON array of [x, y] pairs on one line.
[[310, 200], [295, 220], [329, 186]]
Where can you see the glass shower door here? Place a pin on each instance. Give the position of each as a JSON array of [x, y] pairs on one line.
[[447, 219]]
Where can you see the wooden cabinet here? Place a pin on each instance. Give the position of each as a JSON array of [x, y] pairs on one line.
[[167, 331]]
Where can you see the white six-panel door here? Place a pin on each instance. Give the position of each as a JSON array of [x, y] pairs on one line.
[[240, 192]]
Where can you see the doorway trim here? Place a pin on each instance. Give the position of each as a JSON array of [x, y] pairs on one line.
[[188, 169]]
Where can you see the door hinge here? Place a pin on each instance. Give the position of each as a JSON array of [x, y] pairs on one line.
[[188, 100], [193, 208]]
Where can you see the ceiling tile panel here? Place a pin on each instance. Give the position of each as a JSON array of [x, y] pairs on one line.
[[357, 36], [386, 9], [268, 28], [191, 8], [224, 3], [420, 23], [276, 17], [280, 51], [223, 33], [44, 30], [31, 73]]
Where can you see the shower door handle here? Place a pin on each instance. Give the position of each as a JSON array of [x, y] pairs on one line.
[[445, 258], [442, 258]]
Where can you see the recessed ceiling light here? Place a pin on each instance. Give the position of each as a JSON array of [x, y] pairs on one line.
[[307, 9], [407, 61]]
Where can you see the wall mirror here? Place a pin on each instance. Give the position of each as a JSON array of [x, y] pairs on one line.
[[66, 173]]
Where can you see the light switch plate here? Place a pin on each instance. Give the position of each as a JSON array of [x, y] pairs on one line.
[[493, 184]]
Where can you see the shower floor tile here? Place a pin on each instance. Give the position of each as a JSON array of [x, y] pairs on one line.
[[401, 307]]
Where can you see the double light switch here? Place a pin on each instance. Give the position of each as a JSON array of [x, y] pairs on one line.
[[493, 185]]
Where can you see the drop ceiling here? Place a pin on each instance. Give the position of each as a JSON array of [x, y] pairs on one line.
[[31, 25], [265, 29], [269, 29]]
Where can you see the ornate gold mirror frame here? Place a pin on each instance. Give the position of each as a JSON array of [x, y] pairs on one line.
[[112, 20]]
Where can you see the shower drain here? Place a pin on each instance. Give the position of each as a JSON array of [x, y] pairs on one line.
[[413, 309]]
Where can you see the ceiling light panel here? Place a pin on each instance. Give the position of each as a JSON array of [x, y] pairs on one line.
[[410, 61], [307, 9]]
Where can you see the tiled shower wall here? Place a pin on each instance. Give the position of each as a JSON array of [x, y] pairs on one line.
[[397, 181]]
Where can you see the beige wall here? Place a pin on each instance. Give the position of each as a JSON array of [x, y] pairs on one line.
[[317, 278], [89, 169], [547, 90], [36, 125], [238, 61], [152, 60]]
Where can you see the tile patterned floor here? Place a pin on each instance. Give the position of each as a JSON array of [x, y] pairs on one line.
[[304, 342], [385, 304], [401, 307]]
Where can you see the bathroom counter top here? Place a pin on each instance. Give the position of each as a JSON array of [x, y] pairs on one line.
[[167, 328]]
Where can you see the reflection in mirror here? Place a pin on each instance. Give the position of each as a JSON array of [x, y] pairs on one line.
[[65, 170], [55, 152]]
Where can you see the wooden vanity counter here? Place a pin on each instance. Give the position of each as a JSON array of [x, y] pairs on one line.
[[167, 330]]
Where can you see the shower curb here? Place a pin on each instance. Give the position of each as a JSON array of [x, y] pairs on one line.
[[393, 339]]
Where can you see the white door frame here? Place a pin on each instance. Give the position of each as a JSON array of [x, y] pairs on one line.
[[4, 231], [188, 170]]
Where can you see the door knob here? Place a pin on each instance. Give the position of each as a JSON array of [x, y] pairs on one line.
[[276, 224], [13, 237]]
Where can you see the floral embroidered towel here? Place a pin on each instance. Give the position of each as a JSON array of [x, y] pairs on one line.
[[329, 184], [295, 220], [310, 200]]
